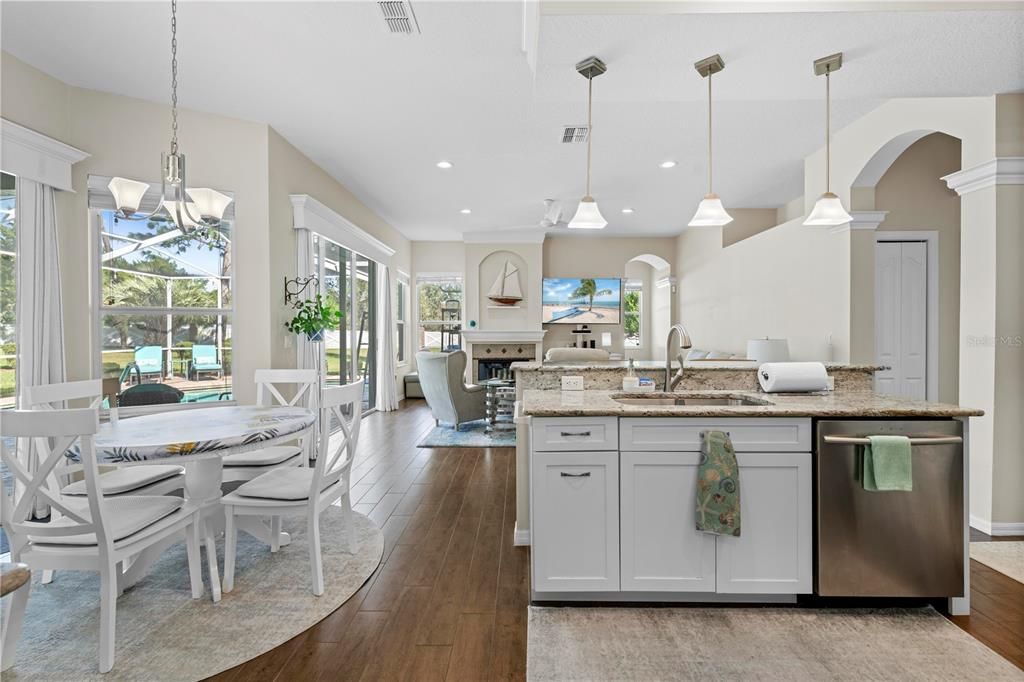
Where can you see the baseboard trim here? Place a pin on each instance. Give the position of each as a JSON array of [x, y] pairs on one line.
[[521, 538], [997, 529]]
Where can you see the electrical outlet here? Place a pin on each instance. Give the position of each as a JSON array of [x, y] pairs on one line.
[[572, 383]]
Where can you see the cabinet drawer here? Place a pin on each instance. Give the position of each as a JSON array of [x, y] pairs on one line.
[[748, 434], [554, 434]]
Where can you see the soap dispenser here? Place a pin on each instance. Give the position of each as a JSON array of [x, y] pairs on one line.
[[630, 382]]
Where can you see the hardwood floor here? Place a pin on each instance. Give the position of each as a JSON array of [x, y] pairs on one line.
[[997, 607], [449, 598]]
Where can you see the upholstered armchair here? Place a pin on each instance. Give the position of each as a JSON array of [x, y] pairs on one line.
[[451, 400]]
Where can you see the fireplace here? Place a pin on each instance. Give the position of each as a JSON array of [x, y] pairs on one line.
[[492, 351], [494, 360]]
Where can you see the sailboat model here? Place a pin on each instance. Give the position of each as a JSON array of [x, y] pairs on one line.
[[505, 289]]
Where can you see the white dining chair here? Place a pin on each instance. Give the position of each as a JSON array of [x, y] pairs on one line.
[[306, 490], [246, 466], [96, 533], [142, 479]]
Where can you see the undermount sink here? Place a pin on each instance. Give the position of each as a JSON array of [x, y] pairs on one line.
[[684, 399]]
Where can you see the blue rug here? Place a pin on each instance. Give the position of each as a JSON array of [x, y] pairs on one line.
[[471, 435]]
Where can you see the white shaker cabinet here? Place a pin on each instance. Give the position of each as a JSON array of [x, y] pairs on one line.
[[575, 538], [661, 548], [773, 555]]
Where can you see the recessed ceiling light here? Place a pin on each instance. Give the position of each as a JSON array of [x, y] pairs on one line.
[[667, 164], [465, 211], [445, 164], [627, 210]]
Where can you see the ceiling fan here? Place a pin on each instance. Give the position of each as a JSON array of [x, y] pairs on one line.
[[552, 214]]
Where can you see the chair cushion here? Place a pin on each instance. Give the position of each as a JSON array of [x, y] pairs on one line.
[[125, 515], [126, 479], [281, 484], [261, 458]]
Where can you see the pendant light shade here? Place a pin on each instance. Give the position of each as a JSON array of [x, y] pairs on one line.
[[588, 216], [710, 211], [828, 211]]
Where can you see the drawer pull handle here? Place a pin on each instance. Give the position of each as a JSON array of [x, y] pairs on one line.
[[570, 434], [566, 474]]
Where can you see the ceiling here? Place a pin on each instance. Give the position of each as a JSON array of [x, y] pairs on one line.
[[378, 111]]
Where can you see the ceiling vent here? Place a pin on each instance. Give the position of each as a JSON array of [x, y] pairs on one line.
[[573, 134], [399, 17]]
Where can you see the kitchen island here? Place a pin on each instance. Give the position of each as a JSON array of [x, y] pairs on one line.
[[612, 478]]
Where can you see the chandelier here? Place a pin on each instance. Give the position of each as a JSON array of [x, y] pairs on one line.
[[189, 207]]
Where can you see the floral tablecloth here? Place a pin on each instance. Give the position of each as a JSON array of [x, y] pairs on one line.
[[194, 433]]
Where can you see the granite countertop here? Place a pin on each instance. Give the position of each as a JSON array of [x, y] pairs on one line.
[[617, 365], [592, 403]]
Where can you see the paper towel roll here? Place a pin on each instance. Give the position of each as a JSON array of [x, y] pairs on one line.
[[793, 377]]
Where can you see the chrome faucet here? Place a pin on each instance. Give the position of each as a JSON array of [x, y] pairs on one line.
[[684, 342]]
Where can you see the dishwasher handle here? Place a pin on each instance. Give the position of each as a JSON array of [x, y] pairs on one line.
[[932, 440]]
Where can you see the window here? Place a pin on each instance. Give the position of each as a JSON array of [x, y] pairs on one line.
[[439, 311], [401, 305], [166, 305], [8, 292], [632, 306]]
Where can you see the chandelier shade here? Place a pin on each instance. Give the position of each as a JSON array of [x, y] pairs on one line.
[[209, 203], [127, 194]]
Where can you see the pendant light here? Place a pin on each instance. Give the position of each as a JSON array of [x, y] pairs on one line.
[[588, 216], [710, 212], [828, 211], [189, 207]]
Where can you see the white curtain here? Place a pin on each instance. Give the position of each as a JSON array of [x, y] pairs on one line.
[[387, 390], [40, 326]]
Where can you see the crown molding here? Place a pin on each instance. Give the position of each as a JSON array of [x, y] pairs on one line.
[[867, 220], [1002, 170], [28, 154], [310, 214]]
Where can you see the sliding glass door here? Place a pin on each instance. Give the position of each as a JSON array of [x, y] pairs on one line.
[[349, 280]]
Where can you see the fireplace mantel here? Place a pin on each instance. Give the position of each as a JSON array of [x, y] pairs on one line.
[[471, 336]]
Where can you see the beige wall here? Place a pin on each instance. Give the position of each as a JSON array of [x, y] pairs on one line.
[[916, 198], [746, 222], [125, 137]]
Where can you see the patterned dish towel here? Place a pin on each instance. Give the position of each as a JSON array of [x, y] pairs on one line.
[[718, 486]]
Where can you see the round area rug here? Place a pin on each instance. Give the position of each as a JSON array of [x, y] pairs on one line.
[[164, 634]]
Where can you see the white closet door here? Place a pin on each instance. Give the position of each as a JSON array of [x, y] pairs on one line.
[[901, 318]]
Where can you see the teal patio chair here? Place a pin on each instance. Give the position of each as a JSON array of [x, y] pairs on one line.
[[204, 359], [150, 361]]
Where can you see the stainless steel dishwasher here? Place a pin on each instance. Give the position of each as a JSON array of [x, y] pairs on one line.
[[889, 544]]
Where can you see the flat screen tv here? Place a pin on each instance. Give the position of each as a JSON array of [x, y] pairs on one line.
[[582, 301]]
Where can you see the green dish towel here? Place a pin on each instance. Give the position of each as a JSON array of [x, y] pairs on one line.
[[718, 486], [886, 464]]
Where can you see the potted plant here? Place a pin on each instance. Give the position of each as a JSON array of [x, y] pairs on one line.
[[313, 316]]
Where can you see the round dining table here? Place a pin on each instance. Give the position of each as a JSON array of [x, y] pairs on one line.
[[199, 439]]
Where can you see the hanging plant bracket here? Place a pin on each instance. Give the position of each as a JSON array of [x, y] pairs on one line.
[[296, 286]]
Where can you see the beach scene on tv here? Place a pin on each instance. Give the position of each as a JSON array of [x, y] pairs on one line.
[[582, 301]]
